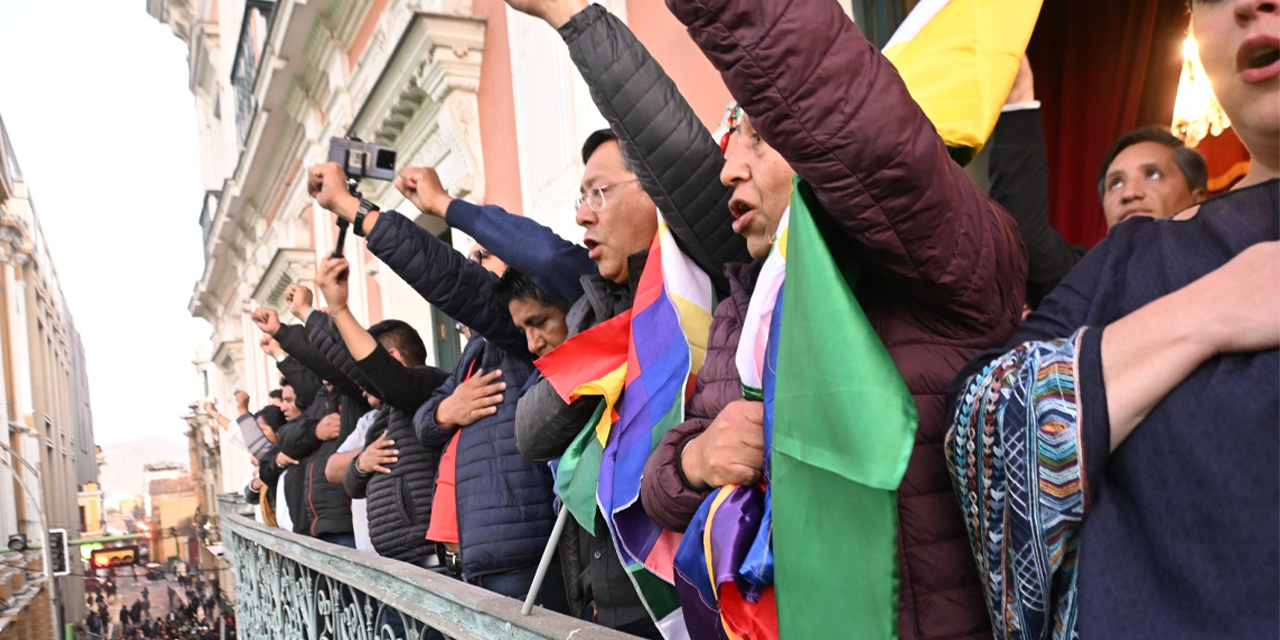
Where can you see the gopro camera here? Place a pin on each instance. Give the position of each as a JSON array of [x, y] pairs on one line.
[[363, 159]]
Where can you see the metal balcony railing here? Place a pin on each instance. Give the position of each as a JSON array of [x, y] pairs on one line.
[[293, 587]]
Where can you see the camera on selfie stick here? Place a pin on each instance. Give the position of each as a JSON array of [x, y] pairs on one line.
[[360, 159]]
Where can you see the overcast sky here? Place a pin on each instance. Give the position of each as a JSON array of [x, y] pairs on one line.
[[94, 95]]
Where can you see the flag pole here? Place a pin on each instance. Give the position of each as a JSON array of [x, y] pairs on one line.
[[547, 554]]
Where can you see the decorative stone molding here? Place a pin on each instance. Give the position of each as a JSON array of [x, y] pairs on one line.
[[288, 266], [228, 356], [425, 104]]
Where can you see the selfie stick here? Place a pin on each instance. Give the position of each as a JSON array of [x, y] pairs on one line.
[[343, 224]]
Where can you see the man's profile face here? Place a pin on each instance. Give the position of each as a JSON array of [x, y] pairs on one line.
[[491, 263], [267, 431], [761, 181], [288, 403], [543, 326], [1144, 180], [626, 222]]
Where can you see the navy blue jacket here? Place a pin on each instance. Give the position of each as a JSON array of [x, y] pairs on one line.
[[504, 501]]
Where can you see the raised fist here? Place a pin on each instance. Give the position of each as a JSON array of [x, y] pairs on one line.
[[267, 320], [332, 279], [422, 187], [242, 402], [271, 347], [327, 183], [298, 298]]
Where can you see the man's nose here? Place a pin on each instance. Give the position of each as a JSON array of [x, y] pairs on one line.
[[584, 216], [534, 341], [1132, 191]]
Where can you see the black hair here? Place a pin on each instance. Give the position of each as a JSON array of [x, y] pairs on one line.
[[272, 416], [600, 137], [278, 394], [397, 334], [1189, 161], [516, 285]]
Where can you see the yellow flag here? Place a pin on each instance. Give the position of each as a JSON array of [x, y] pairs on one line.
[[959, 58]]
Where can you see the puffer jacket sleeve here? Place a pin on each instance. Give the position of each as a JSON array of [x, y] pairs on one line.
[[663, 492], [675, 157], [836, 109], [553, 263], [446, 279], [294, 339], [304, 381], [1019, 171], [404, 388], [324, 335], [268, 471], [355, 481], [297, 438], [547, 425]]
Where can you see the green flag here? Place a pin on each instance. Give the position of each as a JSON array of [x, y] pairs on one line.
[[844, 426]]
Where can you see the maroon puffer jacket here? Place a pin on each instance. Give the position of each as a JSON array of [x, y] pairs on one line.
[[947, 268]]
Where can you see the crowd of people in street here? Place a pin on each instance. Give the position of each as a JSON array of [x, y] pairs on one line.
[[189, 612], [1025, 439]]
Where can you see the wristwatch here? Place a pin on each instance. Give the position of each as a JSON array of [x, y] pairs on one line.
[[357, 225]]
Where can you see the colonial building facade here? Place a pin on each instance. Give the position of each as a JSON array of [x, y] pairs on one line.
[[486, 95], [47, 455]]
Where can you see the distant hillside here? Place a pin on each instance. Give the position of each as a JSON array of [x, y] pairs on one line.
[[121, 476]]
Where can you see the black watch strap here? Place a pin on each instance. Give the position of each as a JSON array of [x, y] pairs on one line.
[[357, 225]]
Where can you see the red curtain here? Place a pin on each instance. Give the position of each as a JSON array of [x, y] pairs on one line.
[[1102, 68]]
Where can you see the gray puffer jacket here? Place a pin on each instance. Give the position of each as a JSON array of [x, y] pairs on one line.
[[676, 159]]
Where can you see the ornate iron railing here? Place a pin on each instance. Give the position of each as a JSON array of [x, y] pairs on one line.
[[292, 587]]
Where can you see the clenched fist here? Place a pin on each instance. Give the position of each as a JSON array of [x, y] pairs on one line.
[[327, 183], [332, 279], [267, 320], [730, 451], [298, 298], [422, 187], [329, 427]]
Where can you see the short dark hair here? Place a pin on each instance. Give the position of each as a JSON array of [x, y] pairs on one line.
[[516, 285], [397, 334], [600, 137], [1189, 161], [278, 394], [272, 416]]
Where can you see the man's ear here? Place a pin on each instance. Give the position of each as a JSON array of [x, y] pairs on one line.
[[1199, 195], [395, 353]]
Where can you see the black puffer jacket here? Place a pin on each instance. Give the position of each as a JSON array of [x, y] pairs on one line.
[[504, 501], [399, 503], [325, 507], [676, 159]]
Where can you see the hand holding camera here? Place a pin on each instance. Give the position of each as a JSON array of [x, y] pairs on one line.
[[328, 185]]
